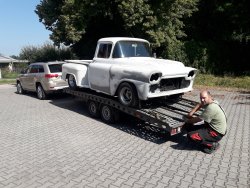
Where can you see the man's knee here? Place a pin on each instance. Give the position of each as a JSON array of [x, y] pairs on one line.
[[194, 137]]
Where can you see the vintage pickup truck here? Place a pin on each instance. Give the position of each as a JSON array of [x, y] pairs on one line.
[[124, 67]]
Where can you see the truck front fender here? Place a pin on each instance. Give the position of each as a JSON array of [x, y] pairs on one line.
[[141, 87]]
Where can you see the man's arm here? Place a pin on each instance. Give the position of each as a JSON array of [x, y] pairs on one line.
[[195, 109], [191, 119]]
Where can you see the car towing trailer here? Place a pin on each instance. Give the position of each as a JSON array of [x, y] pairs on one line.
[[168, 115]]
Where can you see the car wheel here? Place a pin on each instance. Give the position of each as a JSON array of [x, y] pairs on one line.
[[109, 114], [93, 109], [19, 88], [72, 82], [40, 92], [127, 95]]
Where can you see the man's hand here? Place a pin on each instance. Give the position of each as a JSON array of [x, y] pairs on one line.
[[186, 117], [190, 115], [195, 109]]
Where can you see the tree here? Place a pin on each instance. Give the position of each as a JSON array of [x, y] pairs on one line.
[[46, 52], [79, 23], [222, 30]]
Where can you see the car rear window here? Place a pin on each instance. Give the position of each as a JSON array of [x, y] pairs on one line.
[[55, 68]]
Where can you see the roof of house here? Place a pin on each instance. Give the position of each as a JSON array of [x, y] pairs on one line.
[[6, 59]]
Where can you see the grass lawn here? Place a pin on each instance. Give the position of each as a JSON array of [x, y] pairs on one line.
[[7, 81], [223, 82], [8, 77]]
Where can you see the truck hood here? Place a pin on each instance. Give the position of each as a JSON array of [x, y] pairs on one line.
[[148, 66]]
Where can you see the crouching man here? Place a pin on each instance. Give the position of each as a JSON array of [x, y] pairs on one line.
[[208, 128]]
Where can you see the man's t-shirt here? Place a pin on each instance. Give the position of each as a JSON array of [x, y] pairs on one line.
[[215, 116]]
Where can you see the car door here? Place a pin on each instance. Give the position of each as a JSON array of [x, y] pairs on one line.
[[98, 71], [24, 78], [30, 79]]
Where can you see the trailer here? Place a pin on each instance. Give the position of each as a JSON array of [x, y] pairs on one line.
[[167, 115]]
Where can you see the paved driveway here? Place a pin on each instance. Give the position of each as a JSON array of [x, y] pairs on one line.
[[54, 143]]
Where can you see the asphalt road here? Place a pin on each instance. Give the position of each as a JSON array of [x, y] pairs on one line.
[[55, 143]]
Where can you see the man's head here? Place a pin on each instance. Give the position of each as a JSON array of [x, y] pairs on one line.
[[206, 97]]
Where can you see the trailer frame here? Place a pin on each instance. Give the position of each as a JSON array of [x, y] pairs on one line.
[[168, 115]]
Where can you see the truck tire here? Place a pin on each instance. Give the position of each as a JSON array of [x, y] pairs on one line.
[[72, 82], [93, 109], [127, 95], [40, 92], [109, 114]]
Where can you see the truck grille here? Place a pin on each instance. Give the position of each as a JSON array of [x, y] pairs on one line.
[[173, 83], [170, 84]]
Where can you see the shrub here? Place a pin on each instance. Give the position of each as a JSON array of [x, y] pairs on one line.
[[9, 75]]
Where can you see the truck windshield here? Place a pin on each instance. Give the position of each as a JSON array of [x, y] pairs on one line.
[[131, 49]]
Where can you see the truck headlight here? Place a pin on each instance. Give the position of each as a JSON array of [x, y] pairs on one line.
[[155, 77], [191, 73]]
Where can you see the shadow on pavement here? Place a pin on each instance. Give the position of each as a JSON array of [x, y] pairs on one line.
[[183, 144], [52, 96], [128, 124]]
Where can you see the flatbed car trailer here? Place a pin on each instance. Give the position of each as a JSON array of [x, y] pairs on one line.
[[167, 115]]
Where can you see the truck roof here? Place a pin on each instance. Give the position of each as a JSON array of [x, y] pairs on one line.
[[115, 39]]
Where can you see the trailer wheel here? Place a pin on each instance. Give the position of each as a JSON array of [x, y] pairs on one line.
[[72, 82], [127, 95], [109, 114], [93, 109]]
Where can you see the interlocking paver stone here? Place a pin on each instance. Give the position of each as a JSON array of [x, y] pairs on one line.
[[55, 143]]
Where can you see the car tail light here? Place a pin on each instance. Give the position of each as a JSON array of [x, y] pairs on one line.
[[51, 75]]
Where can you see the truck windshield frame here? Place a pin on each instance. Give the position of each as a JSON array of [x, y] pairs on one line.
[[125, 49]]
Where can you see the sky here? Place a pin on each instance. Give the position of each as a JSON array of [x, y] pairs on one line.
[[20, 26]]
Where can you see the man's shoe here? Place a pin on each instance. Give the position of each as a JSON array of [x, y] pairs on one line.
[[212, 149]]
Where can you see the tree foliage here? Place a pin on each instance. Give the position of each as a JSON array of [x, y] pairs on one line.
[[75, 22], [222, 29], [46, 52], [212, 35]]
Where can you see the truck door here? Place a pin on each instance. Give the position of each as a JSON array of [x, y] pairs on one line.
[[98, 75]]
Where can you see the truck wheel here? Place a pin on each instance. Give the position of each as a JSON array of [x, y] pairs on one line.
[[40, 92], [19, 88], [93, 109], [109, 114], [127, 95], [72, 82]]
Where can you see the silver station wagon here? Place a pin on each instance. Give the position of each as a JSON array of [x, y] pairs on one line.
[[43, 78]]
